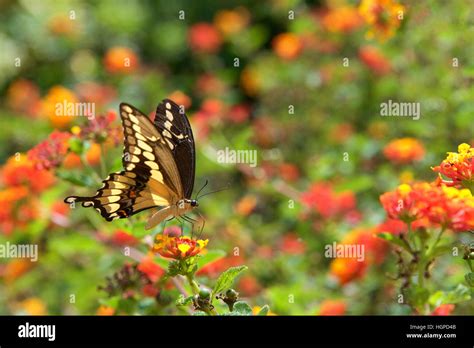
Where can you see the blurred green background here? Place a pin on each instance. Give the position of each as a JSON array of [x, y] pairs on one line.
[[301, 82]]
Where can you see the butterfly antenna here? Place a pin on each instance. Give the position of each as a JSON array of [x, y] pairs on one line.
[[219, 190], [202, 188]]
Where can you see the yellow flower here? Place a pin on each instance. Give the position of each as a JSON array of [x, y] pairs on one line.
[[230, 22], [32, 306], [404, 189], [55, 106], [383, 17], [257, 309]]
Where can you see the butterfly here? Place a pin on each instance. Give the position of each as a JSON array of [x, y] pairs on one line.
[[159, 167]]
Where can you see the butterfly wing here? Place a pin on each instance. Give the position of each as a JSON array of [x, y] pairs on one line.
[[150, 178], [173, 125]]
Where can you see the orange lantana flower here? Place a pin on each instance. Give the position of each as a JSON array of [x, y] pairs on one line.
[[343, 19], [383, 16], [404, 150], [178, 247], [459, 167], [428, 204]]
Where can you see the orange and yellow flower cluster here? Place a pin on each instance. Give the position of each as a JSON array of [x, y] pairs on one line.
[[348, 269], [458, 167], [21, 181], [404, 150], [425, 204], [383, 16], [178, 248]]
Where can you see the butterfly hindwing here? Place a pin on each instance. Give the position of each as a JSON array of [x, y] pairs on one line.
[[172, 123], [122, 194]]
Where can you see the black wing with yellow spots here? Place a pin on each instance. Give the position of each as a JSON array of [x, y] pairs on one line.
[[172, 123]]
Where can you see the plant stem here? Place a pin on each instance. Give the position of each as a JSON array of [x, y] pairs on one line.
[[103, 170], [194, 285], [90, 168], [433, 246]]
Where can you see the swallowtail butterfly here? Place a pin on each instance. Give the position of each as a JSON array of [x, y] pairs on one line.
[[159, 164]]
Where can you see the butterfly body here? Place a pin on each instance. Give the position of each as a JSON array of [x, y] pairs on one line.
[[159, 163]]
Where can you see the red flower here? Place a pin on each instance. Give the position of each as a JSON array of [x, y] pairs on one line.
[[427, 204], [239, 113], [220, 265], [123, 238], [402, 203], [210, 85], [151, 269], [375, 60], [16, 209], [211, 113], [289, 172], [326, 202], [392, 226], [150, 290], [101, 128], [333, 307], [445, 309], [292, 244], [50, 153], [204, 38], [59, 213], [249, 285], [20, 170]]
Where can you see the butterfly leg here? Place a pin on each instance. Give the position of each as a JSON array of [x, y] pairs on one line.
[[203, 224], [191, 221], [180, 224]]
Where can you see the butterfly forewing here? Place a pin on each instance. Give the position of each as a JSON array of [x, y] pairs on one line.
[[174, 127]]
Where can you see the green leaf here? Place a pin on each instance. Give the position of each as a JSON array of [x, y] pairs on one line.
[[417, 296], [357, 184], [264, 310], [210, 256], [460, 294], [75, 178], [226, 279], [470, 279], [183, 301], [440, 250], [111, 301], [242, 308], [164, 263], [393, 239]]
